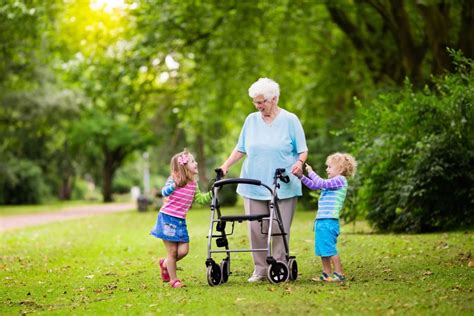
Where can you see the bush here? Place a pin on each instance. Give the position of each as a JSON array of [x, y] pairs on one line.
[[128, 176], [79, 190], [122, 185], [21, 182], [415, 152], [228, 195]]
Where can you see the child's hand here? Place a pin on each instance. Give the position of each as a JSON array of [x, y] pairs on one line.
[[308, 168]]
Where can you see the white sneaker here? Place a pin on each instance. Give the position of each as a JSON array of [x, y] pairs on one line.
[[257, 278]]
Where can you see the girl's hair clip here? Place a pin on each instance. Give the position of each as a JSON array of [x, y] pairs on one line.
[[183, 159]]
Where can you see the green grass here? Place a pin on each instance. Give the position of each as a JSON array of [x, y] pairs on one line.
[[54, 206], [108, 265], [6, 210]]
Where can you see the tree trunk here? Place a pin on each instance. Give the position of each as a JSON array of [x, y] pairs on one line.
[[113, 160], [437, 26], [411, 55], [412, 43], [65, 190], [201, 158], [465, 42], [108, 175]]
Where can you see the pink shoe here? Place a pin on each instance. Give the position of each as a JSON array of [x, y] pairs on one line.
[[164, 272], [177, 284]]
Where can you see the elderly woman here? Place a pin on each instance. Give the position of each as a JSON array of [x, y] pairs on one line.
[[271, 138]]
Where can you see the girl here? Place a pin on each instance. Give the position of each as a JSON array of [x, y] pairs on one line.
[[180, 191], [331, 200]]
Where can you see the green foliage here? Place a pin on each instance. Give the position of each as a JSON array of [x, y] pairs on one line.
[[123, 184], [24, 44], [97, 134], [228, 195], [115, 59], [120, 84], [415, 152], [223, 47], [35, 128], [85, 191], [21, 182], [399, 39], [80, 190]]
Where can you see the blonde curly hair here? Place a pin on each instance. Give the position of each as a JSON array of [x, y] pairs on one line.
[[345, 162], [179, 171]]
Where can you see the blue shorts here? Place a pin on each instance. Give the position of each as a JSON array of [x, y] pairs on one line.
[[325, 237], [170, 228]]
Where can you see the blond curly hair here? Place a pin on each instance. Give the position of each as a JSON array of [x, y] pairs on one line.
[[345, 162], [180, 172]]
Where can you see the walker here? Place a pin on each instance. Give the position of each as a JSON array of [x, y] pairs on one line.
[[278, 271]]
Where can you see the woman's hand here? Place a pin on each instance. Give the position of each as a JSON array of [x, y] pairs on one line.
[[299, 174], [233, 158], [224, 169], [297, 168]]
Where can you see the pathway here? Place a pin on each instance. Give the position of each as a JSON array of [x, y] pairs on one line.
[[20, 221]]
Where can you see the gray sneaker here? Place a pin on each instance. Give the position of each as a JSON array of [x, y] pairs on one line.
[[257, 278]]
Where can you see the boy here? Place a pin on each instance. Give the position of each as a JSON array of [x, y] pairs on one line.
[[331, 200]]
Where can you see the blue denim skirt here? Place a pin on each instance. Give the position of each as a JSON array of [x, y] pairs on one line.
[[326, 233], [170, 228]]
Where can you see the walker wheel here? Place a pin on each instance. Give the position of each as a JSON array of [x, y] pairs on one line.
[[225, 270], [293, 267], [214, 274], [277, 272]]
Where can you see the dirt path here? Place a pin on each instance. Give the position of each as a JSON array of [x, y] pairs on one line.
[[20, 221]]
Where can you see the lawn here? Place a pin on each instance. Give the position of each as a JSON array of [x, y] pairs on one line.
[[108, 265], [41, 208], [55, 206]]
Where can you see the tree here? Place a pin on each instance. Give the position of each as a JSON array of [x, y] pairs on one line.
[[399, 39], [23, 43], [36, 106], [34, 127], [114, 78], [98, 138], [223, 47]]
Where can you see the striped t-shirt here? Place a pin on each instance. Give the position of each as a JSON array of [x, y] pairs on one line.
[[333, 194], [178, 201]]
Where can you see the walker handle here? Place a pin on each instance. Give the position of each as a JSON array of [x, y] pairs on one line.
[[219, 174], [223, 182], [279, 175]]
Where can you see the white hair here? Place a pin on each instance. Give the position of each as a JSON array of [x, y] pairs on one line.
[[266, 87]]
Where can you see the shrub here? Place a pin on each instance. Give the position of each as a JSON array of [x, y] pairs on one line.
[[21, 182], [122, 185], [80, 189], [415, 152], [228, 195]]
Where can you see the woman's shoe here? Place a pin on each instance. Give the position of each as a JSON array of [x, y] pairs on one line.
[[177, 284], [256, 278], [164, 271]]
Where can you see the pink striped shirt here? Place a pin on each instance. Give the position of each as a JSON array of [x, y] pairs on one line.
[[179, 202]]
